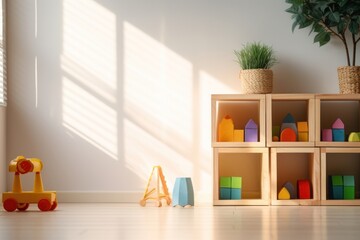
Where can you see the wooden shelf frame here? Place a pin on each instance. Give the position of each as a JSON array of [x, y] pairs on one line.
[[308, 99], [324, 176], [257, 110], [337, 99], [261, 155], [313, 162]]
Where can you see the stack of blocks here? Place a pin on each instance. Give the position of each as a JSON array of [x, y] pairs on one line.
[[230, 187], [342, 187]]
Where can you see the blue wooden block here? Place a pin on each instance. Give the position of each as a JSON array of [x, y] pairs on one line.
[[225, 193], [235, 193], [288, 119], [183, 193], [337, 192], [291, 189], [338, 135]]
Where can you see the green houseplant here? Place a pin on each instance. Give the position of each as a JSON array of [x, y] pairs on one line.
[[255, 60], [334, 18]]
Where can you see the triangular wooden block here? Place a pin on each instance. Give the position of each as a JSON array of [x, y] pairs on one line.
[[338, 124], [288, 135], [251, 124], [284, 194], [289, 119]]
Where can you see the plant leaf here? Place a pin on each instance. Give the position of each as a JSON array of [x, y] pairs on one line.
[[322, 38]]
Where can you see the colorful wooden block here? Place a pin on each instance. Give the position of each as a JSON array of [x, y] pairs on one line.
[[288, 119], [304, 189], [338, 124], [336, 187], [236, 182], [338, 135], [225, 182], [289, 125], [326, 135], [288, 135], [276, 131], [226, 129], [235, 193], [349, 187], [183, 193], [291, 189], [238, 135], [251, 131], [225, 193], [303, 131], [284, 194], [354, 137]]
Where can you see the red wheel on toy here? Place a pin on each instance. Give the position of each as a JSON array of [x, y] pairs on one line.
[[22, 206], [53, 206], [44, 205], [10, 204]]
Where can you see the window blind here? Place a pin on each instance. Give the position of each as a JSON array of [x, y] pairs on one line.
[[2, 56]]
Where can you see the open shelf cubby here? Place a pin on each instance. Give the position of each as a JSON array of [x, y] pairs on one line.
[[252, 164], [291, 165], [300, 106], [339, 162], [329, 107], [241, 108]]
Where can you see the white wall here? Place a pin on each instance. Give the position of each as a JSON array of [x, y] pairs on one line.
[[102, 90]]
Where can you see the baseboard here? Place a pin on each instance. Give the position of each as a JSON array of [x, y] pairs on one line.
[[115, 197], [98, 197]]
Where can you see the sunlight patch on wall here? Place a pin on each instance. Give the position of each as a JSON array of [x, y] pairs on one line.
[[89, 117], [158, 102], [89, 84]]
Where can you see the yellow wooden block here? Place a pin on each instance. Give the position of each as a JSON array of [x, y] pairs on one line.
[[302, 127], [284, 194], [303, 137], [226, 129], [238, 135]]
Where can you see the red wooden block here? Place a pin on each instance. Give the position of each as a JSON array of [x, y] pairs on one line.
[[288, 135], [303, 187]]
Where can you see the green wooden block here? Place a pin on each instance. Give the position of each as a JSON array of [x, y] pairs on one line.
[[337, 180], [349, 181], [276, 131], [225, 182], [236, 182], [349, 192]]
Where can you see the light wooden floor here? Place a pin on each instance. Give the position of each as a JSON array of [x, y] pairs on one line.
[[130, 221]]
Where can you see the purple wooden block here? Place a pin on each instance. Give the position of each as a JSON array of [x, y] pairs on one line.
[[251, 131], [326, 135]]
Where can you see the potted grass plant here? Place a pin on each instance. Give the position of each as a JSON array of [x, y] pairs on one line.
[[334, 18], [255, 60]]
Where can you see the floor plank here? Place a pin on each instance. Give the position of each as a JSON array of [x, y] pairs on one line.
[[130, 221]]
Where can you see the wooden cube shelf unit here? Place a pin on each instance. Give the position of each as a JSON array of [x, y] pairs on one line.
[[291, 165], [300, 106], [252, 164], [329, 107], [339, 162], [241, 108]]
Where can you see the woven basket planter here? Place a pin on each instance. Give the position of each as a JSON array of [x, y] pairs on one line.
[[349, 79], [255, 81]]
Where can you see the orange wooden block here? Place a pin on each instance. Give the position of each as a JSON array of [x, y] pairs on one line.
[[288, 135]]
